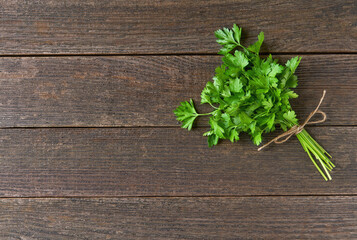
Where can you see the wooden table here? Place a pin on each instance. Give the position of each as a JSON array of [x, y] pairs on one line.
[[90, 148]]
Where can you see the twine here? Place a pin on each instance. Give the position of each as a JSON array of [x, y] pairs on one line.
[[298, 128]]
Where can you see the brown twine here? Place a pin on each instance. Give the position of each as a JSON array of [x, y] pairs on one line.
[[297, 129]]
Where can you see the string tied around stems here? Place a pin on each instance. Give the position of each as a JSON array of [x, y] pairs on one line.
[[298, 128]]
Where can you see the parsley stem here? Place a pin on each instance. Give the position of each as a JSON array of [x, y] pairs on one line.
[[246, 49], [313, 149], [203, 114], [213, 106], [312, 159], [318, 149], [243, 47]]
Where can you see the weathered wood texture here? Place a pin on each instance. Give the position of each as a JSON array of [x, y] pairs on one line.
[[146, 178], [154, 26], [180, 218], [166, 162], [143, 91]]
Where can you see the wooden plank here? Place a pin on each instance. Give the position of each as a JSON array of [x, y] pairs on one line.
[[166, 162], [143, 91], [157, 26], [180, 218]]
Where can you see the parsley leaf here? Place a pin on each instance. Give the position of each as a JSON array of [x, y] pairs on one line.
[[186, 113], [229, 39], [290, 116], [248, 93], [293, 63], [235, 85], [256, 46]]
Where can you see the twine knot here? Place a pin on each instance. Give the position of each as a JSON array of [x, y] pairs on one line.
[[298, 128]]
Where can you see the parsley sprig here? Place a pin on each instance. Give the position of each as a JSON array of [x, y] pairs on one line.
[[251, 94]]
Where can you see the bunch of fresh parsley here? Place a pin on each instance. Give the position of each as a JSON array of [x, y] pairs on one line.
[[250, 94]]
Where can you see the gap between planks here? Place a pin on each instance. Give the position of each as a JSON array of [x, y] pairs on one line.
[[183, 196], [148, 127], [163, 54]]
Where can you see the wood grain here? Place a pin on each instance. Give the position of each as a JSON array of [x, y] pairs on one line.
[[166, 162], [180, 218], [97, 153], [143, 91], [158, 26]]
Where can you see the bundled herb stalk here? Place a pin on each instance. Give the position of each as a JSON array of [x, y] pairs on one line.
[[251, 94]]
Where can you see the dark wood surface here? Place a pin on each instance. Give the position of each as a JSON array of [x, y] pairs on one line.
[[144, 90], [90, 148], [166, 162], [310, 217], [158, 26]]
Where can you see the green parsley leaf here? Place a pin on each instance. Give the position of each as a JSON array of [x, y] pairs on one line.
[[240, 60], [233, 135], [290, 116], [275, 69], [248, 93], [235, 85], [237, 33], [293, 63], [210, 94], [216, 128], [229, 39], [257, 137], [186, 113], [212, 140], [256, 46]]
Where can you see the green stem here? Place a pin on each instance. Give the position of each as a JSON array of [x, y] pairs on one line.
[[203, 114], [320, 151], [318, 145], [312, 159], [213, 106], [315, 151], [247, 49]]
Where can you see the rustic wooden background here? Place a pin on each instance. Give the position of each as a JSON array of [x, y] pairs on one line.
[[90, 149]]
